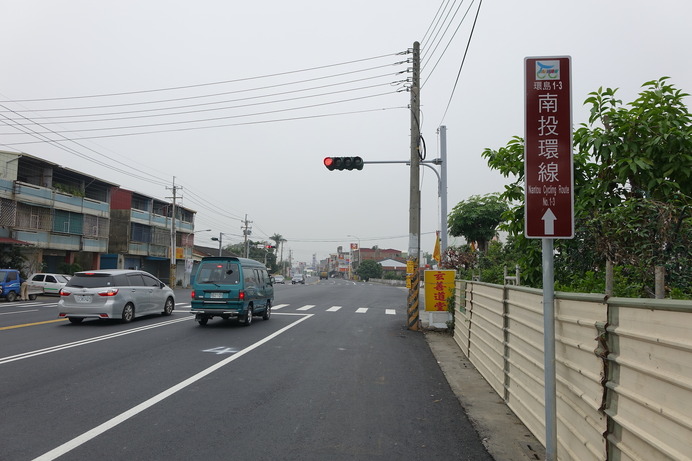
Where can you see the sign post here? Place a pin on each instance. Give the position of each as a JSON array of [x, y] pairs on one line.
[[549, 193]]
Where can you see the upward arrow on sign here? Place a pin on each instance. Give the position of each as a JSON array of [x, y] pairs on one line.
[[549, 222]]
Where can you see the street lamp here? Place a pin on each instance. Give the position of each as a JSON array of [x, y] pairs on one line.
[[187, 237], [357, 238], [189, 263], [220, 240]]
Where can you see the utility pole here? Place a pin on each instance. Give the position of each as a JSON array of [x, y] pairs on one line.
[[414, 208], [247, 230], [443, 189], [171, 279]]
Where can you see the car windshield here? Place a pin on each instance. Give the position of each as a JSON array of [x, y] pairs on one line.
[[62, 278], [218, 272]]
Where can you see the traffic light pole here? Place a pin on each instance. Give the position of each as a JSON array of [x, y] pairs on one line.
[[414, 207]]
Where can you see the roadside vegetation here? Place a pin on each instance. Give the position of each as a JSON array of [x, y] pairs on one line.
[[632, 204]]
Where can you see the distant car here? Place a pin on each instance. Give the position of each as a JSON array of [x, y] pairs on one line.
[[297, 279], [114, 294], [279, 279], [49, 284]]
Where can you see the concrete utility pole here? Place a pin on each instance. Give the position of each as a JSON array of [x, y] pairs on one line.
[[414, 208], [171, 279], [443, 189], [247, 230]]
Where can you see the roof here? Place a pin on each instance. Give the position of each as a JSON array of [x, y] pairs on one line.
[[391, 263], [11, 241]]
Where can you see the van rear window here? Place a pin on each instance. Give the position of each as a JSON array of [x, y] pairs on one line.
[[219, 272]]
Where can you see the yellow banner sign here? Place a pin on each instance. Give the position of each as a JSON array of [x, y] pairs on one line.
[[439, 287]]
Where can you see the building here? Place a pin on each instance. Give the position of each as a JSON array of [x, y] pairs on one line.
[[64, 220], [61, 215], [140, 234]]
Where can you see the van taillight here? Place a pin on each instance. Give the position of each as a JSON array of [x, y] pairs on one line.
[[109, 292], [241, 295], [192, 294]]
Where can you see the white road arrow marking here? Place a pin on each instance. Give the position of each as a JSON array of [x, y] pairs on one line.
[[549, 222]]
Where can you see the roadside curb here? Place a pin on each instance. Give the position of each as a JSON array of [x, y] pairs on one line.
[[503, 434]]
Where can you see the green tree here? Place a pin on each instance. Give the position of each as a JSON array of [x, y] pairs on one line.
[[632, 186], [11, 258], [369, 269], [477, 219]]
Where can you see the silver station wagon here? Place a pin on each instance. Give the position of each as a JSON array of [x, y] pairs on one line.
[[114, 294]]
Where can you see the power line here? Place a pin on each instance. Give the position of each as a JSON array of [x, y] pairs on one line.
[[278, 74], [462, 61], [49, 119], [451, 39], [258, 122]]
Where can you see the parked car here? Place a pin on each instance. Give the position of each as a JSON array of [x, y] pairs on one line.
[[279, 279], [48, 284], [114, 294], [298, 279]]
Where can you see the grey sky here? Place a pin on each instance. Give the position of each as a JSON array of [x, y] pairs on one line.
[[273, 171]]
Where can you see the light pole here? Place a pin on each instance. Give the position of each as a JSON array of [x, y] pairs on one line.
[[187, 237], [357, 238], [189, 262], [220, 240]]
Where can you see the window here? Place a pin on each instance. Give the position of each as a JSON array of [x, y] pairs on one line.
[[136, 280], [150, 281]]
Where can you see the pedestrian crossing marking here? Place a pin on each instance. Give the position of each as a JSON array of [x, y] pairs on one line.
[[333, 308], [361, 310], [307, 307], [390, 311]]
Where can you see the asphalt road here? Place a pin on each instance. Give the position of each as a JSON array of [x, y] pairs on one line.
[[333, 375]]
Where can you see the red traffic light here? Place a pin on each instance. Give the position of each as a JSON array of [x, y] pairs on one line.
[[343, 163]]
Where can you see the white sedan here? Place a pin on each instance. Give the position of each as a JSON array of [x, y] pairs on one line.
[[49, 284]]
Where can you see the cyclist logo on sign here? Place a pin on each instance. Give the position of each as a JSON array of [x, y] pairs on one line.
[[548, 69]]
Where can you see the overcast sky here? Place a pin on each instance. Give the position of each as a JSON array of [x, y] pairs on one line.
[[241, 101]]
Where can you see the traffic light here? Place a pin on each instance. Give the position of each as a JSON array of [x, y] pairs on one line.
[[343, 163]]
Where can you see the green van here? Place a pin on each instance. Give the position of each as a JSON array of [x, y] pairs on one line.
[[230, 287]]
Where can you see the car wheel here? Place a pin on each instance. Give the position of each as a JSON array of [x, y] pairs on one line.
[[202, 320], [168, 307], [32, 297], [267, 311], [128, 313], [75, 320], [247, 320], [11, 297]]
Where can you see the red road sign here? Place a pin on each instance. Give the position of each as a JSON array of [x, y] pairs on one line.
[[548, 165]]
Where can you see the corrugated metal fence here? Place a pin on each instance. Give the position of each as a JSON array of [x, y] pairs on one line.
[[623, 368]]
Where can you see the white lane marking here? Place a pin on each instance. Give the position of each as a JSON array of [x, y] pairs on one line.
[[333, 308], [122, 417], [390, 311], [18, 312], [307, 307], [48, 350], [361, 310], [221, 350], [279, 306]]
